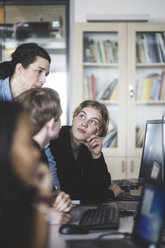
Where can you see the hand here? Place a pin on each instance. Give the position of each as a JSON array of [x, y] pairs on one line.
[[62, 203], [116, 189], [94, 144], [58, 218]]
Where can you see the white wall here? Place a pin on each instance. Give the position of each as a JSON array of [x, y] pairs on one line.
[[155, 8]]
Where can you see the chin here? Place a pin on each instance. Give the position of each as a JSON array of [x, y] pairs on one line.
[[80, 138]]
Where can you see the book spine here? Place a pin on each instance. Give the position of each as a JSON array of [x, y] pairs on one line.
[[93, 87]]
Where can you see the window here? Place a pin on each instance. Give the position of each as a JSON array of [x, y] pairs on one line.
[[45, 23]]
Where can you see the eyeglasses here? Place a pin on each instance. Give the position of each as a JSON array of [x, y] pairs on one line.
[[91, 122]]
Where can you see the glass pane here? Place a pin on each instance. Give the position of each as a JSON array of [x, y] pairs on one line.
[[49, 33], [100, 58], [150, 47], [150, 80]]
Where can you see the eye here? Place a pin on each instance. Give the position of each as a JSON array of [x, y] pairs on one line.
[[82, 116], [93, 122], [39, 71]]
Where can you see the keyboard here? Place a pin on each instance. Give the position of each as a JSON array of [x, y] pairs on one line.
[[126, 183], [127, 205], [127, 197], [100, 218]]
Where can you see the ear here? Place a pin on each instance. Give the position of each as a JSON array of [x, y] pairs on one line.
[[18, 68], [50, 123]]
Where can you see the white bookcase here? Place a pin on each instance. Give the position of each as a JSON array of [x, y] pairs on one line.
[[105, 53]]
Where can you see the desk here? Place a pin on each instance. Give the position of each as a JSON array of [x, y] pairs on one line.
[[58, 240]]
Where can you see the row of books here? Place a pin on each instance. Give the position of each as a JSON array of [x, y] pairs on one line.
[[150, 47], [151, 88], [100, 51], [109, 92], [89, 87], [140, 131], [110, 140]]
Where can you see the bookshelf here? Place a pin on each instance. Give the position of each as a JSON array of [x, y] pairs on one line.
[[122, 65], [146, 76]]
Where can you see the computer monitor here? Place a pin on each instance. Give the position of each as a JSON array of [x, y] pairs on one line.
[[152, 161]]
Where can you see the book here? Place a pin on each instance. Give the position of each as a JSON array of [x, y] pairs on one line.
[[162, 45], [140, 52], [114, 94], [155, 48], [109, 51], [93, 87], [146, 88], [107, 90], [92, 51], [110, 139], [149, 88], [146, 48], [156, 87], [150, 47], [140, 131], [89, 87], [105, 51], [97, 52], [159, 47], [102, 48], [87, 52], [162, 90]]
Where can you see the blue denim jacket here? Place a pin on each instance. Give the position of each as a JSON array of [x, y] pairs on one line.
[[5, 95], [52, 165], [5, 91]]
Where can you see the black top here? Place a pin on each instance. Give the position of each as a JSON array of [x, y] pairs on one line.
[[16, 215], [85, 179]]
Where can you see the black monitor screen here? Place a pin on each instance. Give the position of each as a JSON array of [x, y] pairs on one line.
[[150, 216], [152, 156]]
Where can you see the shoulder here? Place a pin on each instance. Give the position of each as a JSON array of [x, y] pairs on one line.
[[4, 82], [62, 139], [64, 132], [5, 91]]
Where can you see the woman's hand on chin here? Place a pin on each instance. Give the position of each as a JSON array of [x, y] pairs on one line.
[[94, 145]]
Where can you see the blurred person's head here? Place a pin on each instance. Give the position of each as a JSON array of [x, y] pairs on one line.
[[18, 157], [27, 69], [43, 106], [90, 117]]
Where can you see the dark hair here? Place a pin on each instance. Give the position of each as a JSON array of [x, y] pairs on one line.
[[25, 54], [101, 108], [9, 114], [41, 104], [16, 212]]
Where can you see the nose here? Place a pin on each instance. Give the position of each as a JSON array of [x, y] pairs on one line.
[[42, 78], [85, 123]]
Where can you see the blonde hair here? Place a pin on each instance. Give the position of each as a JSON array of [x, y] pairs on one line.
[[101, 108], [41, 104]]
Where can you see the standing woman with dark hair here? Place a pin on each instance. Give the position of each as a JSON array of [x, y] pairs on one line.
[[27, 69]]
